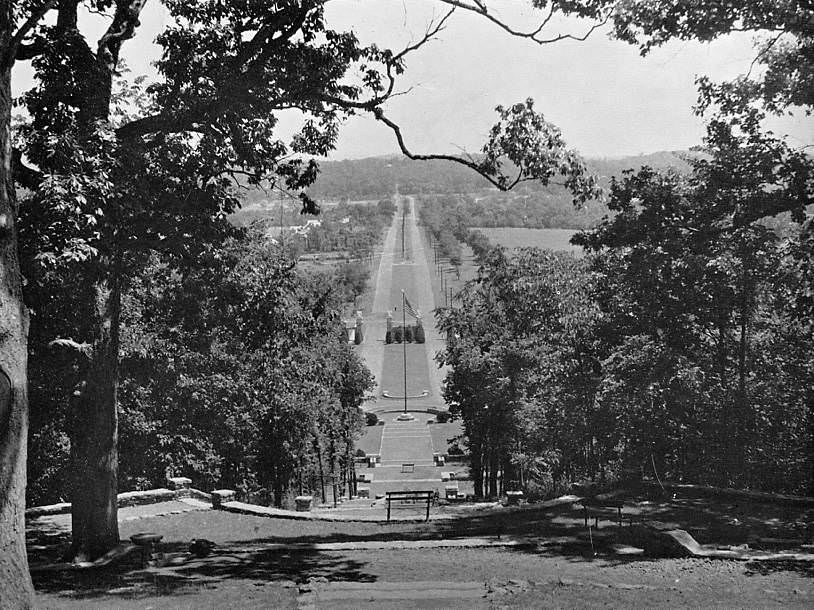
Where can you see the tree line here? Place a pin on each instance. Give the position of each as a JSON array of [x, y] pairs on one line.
[[682, 345], [234, 371]]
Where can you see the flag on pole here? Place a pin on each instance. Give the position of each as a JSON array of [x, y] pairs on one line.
[[409, 309]]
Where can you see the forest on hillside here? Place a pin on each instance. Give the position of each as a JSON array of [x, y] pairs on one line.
[[377, 177]]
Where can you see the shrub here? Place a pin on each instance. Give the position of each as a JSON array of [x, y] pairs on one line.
[[397, 334], [358, 337], [419, 334], [388, 337], [443, 417], [454, 449], [408, 334], [371, 419], [360, 453]]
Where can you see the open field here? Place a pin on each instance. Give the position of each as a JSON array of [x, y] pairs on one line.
[[552, 239]]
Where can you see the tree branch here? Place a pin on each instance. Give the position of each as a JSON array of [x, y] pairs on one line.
[[479, 8], [123, 27], [379, 114], [25, 176], [85, 349], [17, 39]]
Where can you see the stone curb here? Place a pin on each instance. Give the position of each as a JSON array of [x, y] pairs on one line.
[[278, 513], [398, 545]]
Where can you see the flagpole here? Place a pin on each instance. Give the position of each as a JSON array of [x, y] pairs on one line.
[[404, 345]]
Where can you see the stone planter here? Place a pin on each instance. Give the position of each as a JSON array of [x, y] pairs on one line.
[[303, 503], [513, 498], [221, 496]]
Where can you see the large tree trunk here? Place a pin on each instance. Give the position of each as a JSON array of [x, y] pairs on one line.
[[94, 443], [16, 590], [94, 439]]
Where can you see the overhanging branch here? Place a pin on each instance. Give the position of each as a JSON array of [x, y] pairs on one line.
[[471, 164], [479, 8], [18, 37]]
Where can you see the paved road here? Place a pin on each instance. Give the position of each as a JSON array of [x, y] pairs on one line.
[[411, 272]]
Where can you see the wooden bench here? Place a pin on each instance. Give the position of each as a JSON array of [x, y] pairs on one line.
[[596, 502], [407, 499]]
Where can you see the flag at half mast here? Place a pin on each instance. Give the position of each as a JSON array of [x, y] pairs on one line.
[[415, 313]]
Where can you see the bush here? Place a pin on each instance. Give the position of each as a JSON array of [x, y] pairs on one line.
[[358, 337], [408, 334], [388, 337], [443, 417], [371, 419], [397, 334], [360, 453], [419, 334], [454, 449]]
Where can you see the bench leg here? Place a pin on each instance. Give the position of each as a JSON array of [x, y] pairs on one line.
[[428, 510], [388, 511], [585, 514]]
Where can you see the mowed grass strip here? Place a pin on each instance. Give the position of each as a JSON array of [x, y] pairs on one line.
[[371, 439], [418, 374]]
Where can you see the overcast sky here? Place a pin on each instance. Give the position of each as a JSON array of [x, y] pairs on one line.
[[607, 100]]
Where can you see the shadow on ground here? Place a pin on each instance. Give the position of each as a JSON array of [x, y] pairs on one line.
[[557, 531]]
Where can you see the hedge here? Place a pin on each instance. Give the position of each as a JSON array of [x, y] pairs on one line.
[[419, 334]]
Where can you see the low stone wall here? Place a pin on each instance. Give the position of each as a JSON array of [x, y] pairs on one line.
[[177, 488]]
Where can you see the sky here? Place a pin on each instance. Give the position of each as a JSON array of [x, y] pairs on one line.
[[607, 100]]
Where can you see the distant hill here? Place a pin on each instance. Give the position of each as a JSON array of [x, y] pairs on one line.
[[376, 177]]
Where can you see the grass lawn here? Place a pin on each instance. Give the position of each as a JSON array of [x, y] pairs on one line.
[[442, 434], [418, 374], [552, 239], [371, 439]]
